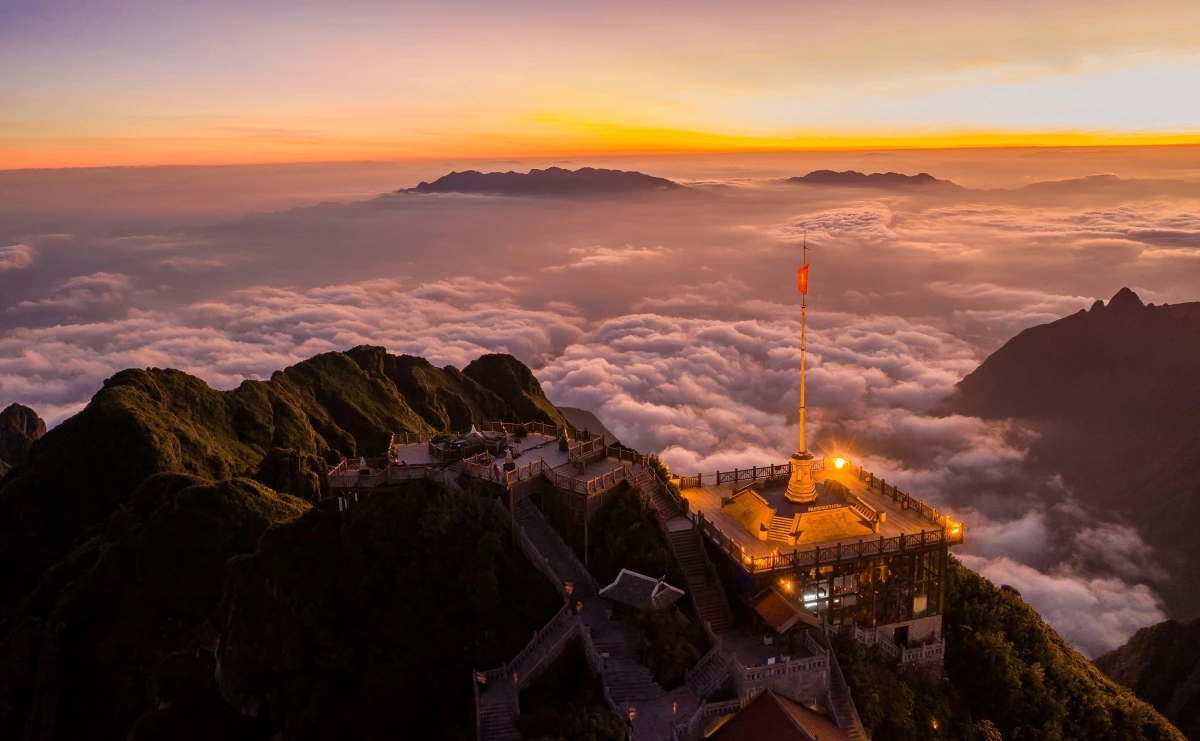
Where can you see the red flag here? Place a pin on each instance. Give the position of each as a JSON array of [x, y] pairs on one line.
[[802, 279]]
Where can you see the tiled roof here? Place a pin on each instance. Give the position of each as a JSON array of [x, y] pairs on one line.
[[779, 613], [771, 716], [641, 591], [818, 726]]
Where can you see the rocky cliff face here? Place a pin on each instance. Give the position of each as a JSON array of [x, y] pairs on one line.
[[20, 428], [1115, 394], [1162, 665], [116, 527]]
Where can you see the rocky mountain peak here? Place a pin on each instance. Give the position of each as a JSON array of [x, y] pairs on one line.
[[20, 428]]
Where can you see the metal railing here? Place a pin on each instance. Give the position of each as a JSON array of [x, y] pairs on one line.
[[406, 472], [378, 472], [537, 428], [412, 438], [823, 555], [595, 485], [625, 454], [906, 501]]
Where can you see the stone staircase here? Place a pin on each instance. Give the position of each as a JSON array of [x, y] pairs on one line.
[[499, 703], [628, 681], [702, 583], [497, 714], [842, 707], [781, 528], [707, 595], [841, 704], [562, 560], [647, 482], [709, 675]]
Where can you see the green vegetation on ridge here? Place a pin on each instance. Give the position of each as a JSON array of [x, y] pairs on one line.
[[152, 421], [116, 530], [1007, 672]]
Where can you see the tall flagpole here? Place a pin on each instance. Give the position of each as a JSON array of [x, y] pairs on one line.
[[801, 487], [803, 310]]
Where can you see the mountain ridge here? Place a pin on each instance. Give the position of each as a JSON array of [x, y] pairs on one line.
[[552, 181], [1105, 387], [856, 179], [1161, 664], [117, 529]]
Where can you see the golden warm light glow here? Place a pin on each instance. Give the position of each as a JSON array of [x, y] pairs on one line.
[[560, 139], [839, 462], [396, 83]]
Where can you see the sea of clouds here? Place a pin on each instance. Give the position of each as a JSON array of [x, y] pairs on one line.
[[673, 317]]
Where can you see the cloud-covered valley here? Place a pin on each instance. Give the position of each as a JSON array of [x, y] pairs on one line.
[[672, 316]]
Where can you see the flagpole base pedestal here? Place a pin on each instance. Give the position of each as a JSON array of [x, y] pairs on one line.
[[801, 487]]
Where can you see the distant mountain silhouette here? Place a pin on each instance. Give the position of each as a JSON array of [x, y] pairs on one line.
[[553, 181], [1115, 394], [1161, 664], [856, 179], [1107, 183]]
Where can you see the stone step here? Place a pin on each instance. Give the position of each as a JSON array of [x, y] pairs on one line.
[[497, 721], [781, 528]]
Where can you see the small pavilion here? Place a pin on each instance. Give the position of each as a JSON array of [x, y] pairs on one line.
[[641, 592]]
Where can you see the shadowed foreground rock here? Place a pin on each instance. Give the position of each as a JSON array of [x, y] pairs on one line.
[[367, 625], [20, 428], [1161, 664], [93, 633]]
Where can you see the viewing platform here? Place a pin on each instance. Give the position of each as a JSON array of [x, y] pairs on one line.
[[856, 515]]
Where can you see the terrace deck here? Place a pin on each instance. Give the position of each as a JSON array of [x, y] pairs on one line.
[[826, 523], [416, 454]]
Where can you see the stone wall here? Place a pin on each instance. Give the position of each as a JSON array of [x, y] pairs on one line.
[[919, 630]]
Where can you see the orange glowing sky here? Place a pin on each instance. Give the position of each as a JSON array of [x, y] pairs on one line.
[[130, 82]]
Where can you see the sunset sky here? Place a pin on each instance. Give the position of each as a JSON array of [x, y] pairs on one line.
[[112, 82]]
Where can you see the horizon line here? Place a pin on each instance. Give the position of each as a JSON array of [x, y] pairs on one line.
[[601, 154]]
